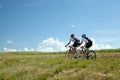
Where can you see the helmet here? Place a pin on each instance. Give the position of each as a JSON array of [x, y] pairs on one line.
[[83, 35], [72, 35]]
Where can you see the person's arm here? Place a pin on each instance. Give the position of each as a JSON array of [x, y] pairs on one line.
[[85, 44], [67, 44], [81, 42], [83, 39]]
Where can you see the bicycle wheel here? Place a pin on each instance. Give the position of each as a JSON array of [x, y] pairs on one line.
[[68, 55], [91, 55], [80, 54]]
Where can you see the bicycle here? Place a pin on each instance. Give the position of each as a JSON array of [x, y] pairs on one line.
[[68, 54], [91, 54], [80, 54]]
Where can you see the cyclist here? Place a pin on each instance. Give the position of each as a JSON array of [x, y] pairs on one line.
[[88, 43], [76, 43]]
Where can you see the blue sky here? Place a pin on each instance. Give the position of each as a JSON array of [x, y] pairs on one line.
[[45, 25]]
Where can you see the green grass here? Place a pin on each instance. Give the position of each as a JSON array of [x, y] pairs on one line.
[[108, 50], [54, 66]]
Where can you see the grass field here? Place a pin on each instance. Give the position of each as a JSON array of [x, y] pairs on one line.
[[54, 66]]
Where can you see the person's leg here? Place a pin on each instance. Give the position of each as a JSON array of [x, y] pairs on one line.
[[88, 46], [87, 50], [74, 48], [84, 52], [70, 50]]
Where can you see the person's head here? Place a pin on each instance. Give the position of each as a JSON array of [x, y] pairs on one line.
[[83, 35], [72, 35]]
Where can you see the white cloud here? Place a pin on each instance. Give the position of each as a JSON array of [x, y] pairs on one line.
[[55, 45], [111, 31], [9, 42], [72, 26], [75, 25], [51, 45], [97, 46], [101, 46], [82, 25], [26, 49], [9, 50], [14, 50], [108, 40]]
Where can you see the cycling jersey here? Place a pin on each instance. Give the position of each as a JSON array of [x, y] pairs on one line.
[[76, 42], [72, 39], [87, 41]]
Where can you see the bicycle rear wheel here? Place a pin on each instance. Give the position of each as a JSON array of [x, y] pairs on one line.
[[92, 54]]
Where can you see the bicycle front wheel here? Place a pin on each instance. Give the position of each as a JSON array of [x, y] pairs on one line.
[[68, 54], [92, 55], [80, 54]]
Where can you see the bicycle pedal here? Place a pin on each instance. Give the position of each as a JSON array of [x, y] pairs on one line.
[[76, 56]]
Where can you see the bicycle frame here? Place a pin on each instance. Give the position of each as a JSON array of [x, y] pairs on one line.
[[80, 53], [91, 54], [70, 54]]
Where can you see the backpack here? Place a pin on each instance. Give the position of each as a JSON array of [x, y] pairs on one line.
[[76, 40], [89, 40]]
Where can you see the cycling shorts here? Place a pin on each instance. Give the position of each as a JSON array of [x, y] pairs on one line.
[[76, 44]]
